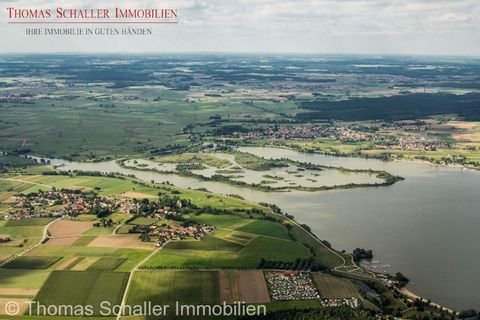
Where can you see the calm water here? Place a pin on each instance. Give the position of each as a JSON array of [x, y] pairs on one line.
[[425, 226], [288, 176]]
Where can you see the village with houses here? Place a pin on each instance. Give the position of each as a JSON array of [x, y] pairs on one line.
[[170, 225], [73, 203], [381, 136]]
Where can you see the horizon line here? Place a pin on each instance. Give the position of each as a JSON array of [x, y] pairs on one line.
[[246, 53]]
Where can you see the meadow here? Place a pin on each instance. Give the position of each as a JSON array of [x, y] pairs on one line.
[[82, 288], [106, 264], [324, 256], [23, 234], [183, 255], [32, 262], [210, 243], [87, 125], [219, 221], [24, 279], [165, 287], [128, 257], [333, 287], [29, 222], [265, 228]]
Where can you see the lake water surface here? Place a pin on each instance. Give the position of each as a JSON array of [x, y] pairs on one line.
[[426, 226]]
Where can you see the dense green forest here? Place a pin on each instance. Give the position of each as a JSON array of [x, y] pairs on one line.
[[400, 107]]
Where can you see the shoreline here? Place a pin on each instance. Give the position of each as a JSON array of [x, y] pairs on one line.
[[411, 295], [404, 291], [406, 160], [388, 179]]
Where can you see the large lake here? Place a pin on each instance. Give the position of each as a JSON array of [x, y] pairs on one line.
[[425, 226]]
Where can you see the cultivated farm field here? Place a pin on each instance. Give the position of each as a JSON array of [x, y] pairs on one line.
[[230, 255], [107, 264], [32, 262], [248, 286], [165, 287], [333, 287], [83, 288]]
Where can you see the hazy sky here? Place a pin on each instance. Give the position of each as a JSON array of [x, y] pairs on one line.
[[437, 27]]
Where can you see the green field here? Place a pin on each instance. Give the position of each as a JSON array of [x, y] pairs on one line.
[[12, 187], [32, 262], [144, 221], [72, 264], [266, 228], [84, 240], [22, 236], [322, 254], [25, 279], [83, 288], [124, 229], [208, 243], [246, 257], [132, 256], [96, 231], [252, 162], [168, 286], [82, 127], [219, 221], [29, 222], [23, 231], [333, 287], [106, 264]]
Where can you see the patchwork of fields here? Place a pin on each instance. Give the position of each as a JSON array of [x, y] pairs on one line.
[[237, 243], [84, 264]]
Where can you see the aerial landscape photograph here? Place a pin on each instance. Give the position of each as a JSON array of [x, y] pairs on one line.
[[247, 159]]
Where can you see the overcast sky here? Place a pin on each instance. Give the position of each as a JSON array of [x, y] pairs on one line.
[[433, 27]]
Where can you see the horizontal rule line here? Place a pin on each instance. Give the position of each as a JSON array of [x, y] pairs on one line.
[[93, 22]]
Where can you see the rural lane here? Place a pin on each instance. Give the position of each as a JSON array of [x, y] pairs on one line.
[[130, 277]]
